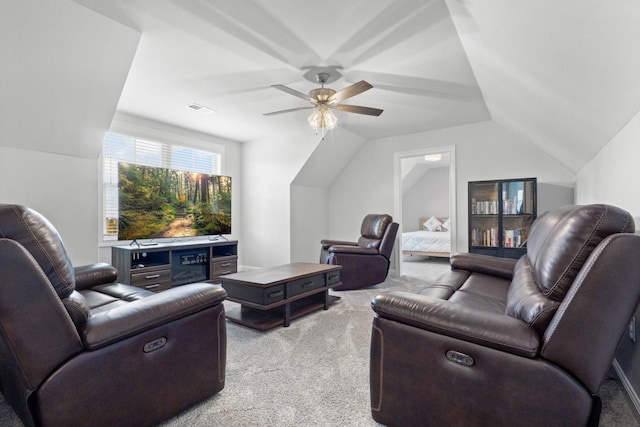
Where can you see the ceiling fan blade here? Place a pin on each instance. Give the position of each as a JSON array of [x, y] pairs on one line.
[[295, 93], [420, 86], [291, 110], [349, 91], [360, 110]]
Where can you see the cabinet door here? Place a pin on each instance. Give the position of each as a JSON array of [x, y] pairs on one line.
[[484, 225], [518, 212]]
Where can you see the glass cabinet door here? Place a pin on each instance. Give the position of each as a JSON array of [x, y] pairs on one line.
[[484, 200], [518, 210], [500, 215]]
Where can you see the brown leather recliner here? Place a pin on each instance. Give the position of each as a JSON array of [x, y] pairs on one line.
[[76, 348], [498, 342], [365, 262]]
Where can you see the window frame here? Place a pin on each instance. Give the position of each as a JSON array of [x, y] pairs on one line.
[[143, 152]]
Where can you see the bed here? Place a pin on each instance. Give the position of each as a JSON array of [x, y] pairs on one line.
[[427, 243]]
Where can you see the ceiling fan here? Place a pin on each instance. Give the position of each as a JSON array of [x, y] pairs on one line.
[[324, 99]]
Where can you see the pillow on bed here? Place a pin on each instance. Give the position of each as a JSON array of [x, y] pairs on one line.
[[432, 224], [446, 226]]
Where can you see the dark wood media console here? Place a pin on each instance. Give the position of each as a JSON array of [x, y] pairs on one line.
[[159, 267], [272, 296]]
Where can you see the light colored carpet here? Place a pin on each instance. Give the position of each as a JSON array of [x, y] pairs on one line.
[[316, 372]]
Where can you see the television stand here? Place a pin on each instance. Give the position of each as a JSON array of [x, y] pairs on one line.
[[142, 244], [159, 266]]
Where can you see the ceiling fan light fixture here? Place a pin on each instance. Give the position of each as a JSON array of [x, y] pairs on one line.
[[324, 99], [322, 118]]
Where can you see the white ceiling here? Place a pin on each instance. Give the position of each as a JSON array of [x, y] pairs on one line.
[[561, 75], [225, 55]]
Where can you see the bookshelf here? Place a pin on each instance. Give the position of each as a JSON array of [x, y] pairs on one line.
[[500, 215]]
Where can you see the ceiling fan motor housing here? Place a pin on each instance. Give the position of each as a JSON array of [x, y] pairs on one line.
[[321, 94]]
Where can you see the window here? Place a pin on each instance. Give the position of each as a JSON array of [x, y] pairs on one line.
[[123, 148]]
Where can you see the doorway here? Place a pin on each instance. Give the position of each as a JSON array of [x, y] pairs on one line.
[[424, 188]]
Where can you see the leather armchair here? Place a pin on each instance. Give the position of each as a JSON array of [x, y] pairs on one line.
[[497, 342], [365, 262], [77, 348]]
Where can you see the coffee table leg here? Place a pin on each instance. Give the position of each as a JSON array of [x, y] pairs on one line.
[[326, 299], [287, 314]]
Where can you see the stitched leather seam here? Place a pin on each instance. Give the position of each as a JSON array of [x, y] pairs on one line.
[[380, 391], [577, 255], [449, 333], [541, 312], [221, 369], [573, 291], [46, 253], [170, 317]]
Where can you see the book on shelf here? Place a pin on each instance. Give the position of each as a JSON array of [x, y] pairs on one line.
[[513, 238], [484, 207], [512, 206], [484, 237]]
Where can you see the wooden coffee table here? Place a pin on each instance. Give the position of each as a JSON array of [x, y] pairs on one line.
[[272, 296]]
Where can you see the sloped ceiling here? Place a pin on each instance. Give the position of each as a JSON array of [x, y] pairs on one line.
[[412, 169], [225, 55], [62, 69], [561, 75]]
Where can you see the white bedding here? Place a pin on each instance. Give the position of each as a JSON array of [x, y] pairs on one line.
[[426, 241]]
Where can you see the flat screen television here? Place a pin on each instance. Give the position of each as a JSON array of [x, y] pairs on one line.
[[156, 202]]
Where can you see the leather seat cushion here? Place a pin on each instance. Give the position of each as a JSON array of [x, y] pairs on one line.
[[123, 292], [446, 284], [483, 292]]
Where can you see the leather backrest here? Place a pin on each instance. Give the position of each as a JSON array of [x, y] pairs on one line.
[[36, 234], [372, 230], [389, 238], [560, 242]]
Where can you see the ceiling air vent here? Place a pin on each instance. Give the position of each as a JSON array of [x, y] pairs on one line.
[[201, 108]]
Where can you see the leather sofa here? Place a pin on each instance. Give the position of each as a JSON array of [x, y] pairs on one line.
[[500, 342], [78, 348], [365, 262]]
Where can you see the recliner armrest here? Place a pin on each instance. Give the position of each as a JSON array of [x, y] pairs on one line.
[[455, 320], [88, 276], [326, 244], [485, 264], [110, 326], [344, 249]]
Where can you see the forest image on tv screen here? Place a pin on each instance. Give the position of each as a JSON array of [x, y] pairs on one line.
[[159, 202]]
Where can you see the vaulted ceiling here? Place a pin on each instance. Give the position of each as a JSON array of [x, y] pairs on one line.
[[561, 75]]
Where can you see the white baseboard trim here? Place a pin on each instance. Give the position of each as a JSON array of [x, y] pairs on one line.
[[627, 385]]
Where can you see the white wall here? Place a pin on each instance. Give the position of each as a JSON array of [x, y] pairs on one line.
[[63, 69], [612, 176], [429, 196], [268, 170], [62, 188], [483, 151], [309, 225], [309, 194]]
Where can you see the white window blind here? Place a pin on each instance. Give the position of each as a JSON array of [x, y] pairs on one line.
[[123, 148]]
